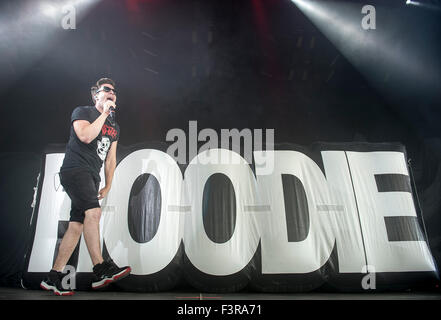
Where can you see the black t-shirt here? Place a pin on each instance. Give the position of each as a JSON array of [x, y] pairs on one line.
[[89, 156]]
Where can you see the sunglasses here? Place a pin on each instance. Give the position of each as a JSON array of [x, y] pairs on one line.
[[107, 89]]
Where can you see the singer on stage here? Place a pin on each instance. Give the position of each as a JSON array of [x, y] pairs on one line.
[[93, 140]]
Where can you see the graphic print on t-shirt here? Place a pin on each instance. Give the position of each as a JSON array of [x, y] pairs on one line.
[[103, 147], [109, 131], [104, 144]]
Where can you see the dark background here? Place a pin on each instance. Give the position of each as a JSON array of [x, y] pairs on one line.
[[227, 64]]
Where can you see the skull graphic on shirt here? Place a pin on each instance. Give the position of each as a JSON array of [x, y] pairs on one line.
[[103, 147]]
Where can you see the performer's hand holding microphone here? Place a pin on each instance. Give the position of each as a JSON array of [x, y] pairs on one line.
[[109, 108]]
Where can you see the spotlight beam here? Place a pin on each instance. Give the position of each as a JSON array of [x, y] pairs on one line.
[[26, 31], [371, 52]]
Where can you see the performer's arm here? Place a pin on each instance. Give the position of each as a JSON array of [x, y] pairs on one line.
[[109, 169], [87, 131]]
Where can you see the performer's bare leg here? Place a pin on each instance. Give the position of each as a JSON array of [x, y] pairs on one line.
[[91, 232], [68, 244]]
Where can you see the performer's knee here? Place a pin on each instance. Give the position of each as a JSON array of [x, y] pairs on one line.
[[93, 214], [76, 227]]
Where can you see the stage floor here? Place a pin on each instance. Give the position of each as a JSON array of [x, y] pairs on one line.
[[22, 294]]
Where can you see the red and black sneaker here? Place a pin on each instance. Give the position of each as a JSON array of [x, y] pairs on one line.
[[108, 272], [53, 282]]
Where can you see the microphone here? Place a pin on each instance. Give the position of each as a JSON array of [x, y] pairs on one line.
[[112, 116]]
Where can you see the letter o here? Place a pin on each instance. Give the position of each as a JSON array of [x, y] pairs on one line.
[[220, 259], [157, 253]]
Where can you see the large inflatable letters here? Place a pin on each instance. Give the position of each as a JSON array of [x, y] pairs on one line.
[[222, 225]]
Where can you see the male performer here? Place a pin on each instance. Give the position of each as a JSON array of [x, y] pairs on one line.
[[93, 140]]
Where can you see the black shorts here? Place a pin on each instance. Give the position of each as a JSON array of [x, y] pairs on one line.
[[82, 188]]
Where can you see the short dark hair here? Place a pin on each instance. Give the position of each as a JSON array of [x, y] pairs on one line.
[[98, 84]]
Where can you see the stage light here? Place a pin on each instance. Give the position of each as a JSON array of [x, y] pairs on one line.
[[413, 3], [426, 4], [48, 10]]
